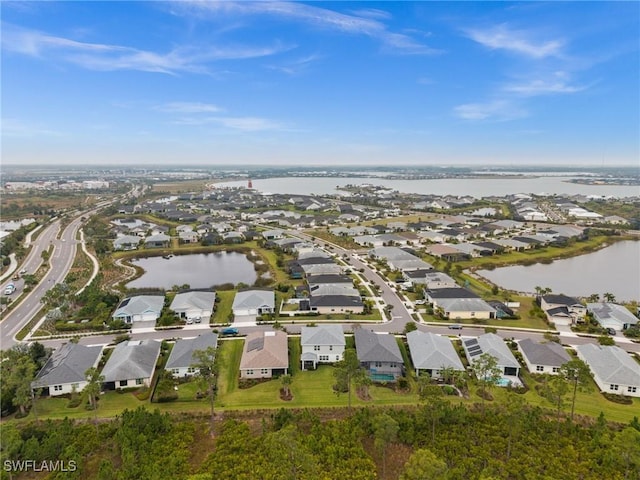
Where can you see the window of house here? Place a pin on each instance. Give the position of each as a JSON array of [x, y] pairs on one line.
[[378, 364], [324, 358], [124, 383], [191, 370], [337, 358], [249, 372], [139, 381], [316, 348], [632, 389], [75, 385], [331, 348], [556, 369], [57, 388], [539, 368], [264, 371], [613, 387], [175, 371]]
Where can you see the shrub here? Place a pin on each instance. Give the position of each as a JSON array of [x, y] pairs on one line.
[[614, 397]]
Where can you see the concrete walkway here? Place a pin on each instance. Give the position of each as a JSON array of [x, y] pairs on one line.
[[94, 260], [12, 267]]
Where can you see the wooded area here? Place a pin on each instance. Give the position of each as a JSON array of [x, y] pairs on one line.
[[434, 441]]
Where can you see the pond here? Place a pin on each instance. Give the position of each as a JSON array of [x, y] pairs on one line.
[[614, 269], [201, 270]]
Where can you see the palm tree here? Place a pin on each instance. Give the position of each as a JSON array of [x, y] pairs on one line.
[[593, 298], [286, 382], [609, 297]]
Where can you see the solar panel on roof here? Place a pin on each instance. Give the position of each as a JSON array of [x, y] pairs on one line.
[[255, 344], [475, 349], [475, 353], [471, 342]]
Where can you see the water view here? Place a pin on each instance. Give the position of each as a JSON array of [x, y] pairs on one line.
[[475, 187], [201, 270], [613, 269]]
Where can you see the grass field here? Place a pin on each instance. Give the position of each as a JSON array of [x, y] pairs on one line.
[[223, 307]]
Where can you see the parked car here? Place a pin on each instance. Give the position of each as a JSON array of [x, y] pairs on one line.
[[9, 289], [229, 331], [455, 326], [611, 331]]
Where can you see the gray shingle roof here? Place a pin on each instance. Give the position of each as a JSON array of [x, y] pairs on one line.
[[140, 304], [182, 353], [254, 299], [464, 305], [610, 363], [372, 347], [430, 351], [193, 300], [67, 365], [550, 354], [132, 360], [322, 335], [493, 345], [612, 314]]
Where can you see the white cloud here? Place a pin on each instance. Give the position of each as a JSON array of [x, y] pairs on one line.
[[12, 127], [372, 13], [103, 57], [248, 124], [369, 24], [542, 87], [500, 110], [501, 37], [296, 67], [188, 107]]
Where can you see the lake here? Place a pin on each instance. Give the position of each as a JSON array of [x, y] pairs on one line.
[[475, 187], [614, 269], [201, 270]]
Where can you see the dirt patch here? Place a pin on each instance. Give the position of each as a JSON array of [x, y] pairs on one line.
[[287, 396]]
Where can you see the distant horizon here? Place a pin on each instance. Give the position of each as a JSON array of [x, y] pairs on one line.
[[320, 83]]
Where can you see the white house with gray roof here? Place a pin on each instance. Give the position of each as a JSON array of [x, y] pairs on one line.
[[194, 306], [321, 344], [141, 308], [126, 242], [181, 362], [614, 371], [542, 358], [493, 345], [131, 364], [253, 302], [65, 369], [379, 354], [432, 353], [612, 315]]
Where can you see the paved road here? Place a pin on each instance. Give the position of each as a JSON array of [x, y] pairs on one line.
[[61, 260]]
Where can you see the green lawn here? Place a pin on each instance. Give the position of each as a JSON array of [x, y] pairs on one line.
[[223, 307], [110, 404]]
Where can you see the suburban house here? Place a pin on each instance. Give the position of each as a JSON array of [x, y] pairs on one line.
[[272, 234], [493, 345], [612, 315], [131, 364], [545, 357], [65, 370], [614, 371], [321, 344], [126, 242], [264, 355], [253, 302], [435, 280], [432, 353], [142, 308], [157, 241], [181, 362], [379, 354], [327, 304], [456, 303], [562, 310], [194, 306]]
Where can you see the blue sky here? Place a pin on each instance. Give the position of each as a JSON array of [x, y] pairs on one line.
[[354, 83]]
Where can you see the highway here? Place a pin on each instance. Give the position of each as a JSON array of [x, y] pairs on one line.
[[64, 252]]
